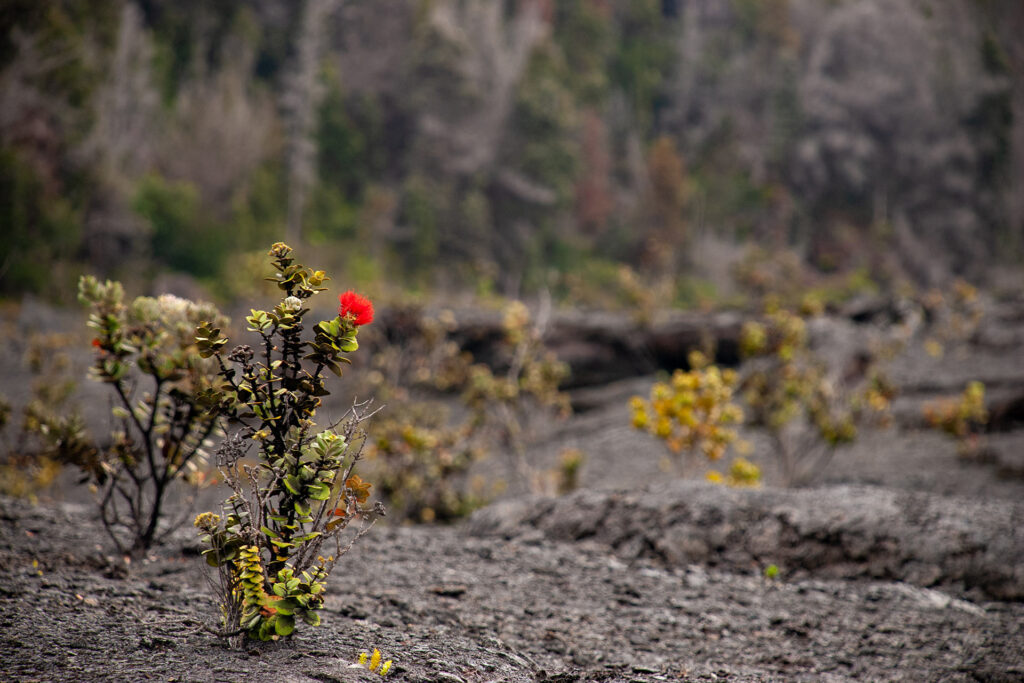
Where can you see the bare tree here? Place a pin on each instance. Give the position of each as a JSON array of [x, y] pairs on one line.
[[495, 53], [301, 96]]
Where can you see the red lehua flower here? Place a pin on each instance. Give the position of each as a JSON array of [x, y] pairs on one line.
[[96, 343], [356, 308]]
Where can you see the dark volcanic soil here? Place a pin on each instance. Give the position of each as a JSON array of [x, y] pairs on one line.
[[511, 596]]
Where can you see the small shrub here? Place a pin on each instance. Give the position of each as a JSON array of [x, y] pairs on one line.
[[642, 296], [567, 476], [694, 413], [951, 317], [789, 393], [504, 404], [29, 458], [420, 453], [963, 418], [741, 472], [146, 352], [303, 492], [422, 462]]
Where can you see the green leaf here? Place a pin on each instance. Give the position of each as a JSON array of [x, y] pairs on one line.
[[286, 606], [266, 630], [311, 618], [319, 491], [292, 484], [280, 590], [284, 624], [269, 532]]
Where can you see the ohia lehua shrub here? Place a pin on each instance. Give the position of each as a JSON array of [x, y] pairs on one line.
[[296, 502]]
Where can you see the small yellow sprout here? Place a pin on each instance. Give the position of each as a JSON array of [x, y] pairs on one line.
[[373, 663]]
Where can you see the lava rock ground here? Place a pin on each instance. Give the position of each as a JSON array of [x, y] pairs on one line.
[[511, 596]]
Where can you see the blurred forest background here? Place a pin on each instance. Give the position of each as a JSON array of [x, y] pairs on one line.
[[507, 146]]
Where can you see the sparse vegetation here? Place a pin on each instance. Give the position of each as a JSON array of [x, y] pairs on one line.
[[506, 405], [420, 450], [963, 418], [29, 459], [791, 393], [771, 182]]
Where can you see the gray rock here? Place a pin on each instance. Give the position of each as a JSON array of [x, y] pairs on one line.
[[845, 531]]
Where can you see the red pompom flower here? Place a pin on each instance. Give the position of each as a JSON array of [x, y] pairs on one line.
[[356, 308]]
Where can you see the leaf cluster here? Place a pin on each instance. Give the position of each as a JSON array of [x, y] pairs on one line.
[[374, 662], [693, 412]]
